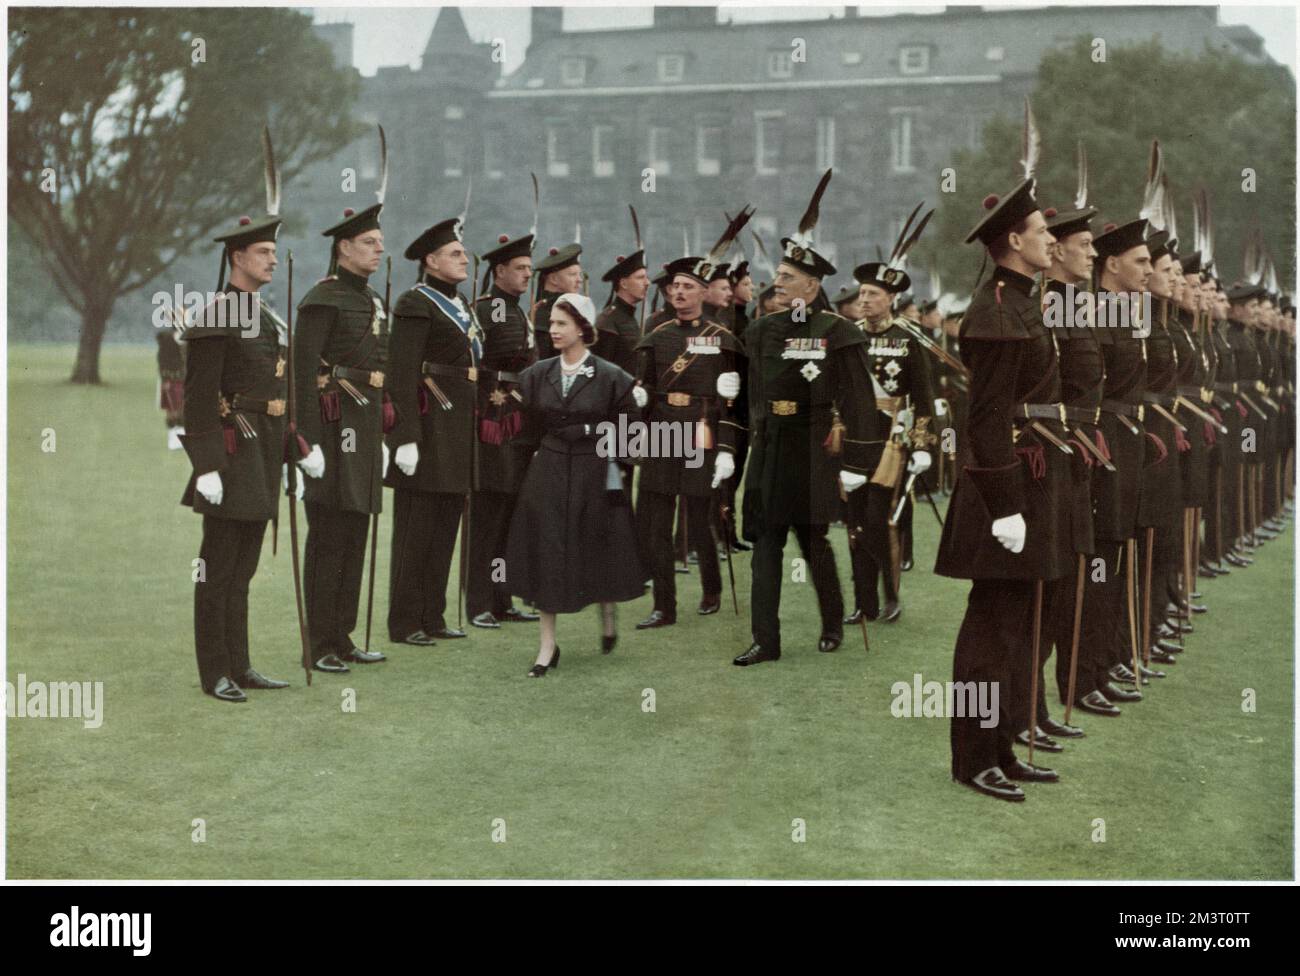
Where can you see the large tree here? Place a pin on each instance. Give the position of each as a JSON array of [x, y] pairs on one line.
[[134, 133], [1214, 115]]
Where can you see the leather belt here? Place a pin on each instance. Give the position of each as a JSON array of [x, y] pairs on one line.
[[1159, 400], [783, 408], [1121, 409], [674, 399], [247, 404], [1225, 387], [470, 373], [373, 378], [1041, 411]]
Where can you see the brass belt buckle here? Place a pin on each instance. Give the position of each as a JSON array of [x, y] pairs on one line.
[[322, 381], [785, 408], [1061, 408], [679, 399], [471, 374], [1141, 413], [275, 408], [223, 407], [1096, 417], [376, 379]]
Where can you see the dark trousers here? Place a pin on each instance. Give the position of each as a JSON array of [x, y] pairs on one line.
[[489, 527], [1055, 593], [334, 559], [229, 551], [424, 536], [1058, 631], [1103, 635], [990, 645], [727, 527], [767, 569], [657, 509], [869, 511]]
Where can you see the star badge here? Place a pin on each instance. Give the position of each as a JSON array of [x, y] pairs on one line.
[[497, 397], [890, 385], [892, 367], [279, 368], [810, 371]]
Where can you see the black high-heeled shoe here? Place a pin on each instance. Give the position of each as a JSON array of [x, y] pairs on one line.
[[539, 670]]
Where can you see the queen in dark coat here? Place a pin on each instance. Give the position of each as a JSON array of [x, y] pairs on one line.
[[572, 541]]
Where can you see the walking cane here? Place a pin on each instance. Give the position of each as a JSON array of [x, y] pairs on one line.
[[1074, 636], [1033, 676], [1130, 553], [1146, 598]]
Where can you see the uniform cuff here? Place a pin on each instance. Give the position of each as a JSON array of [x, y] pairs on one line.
[[207, 452], [999, 488]]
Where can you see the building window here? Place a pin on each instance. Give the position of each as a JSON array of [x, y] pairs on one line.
[[708, 150], [557, 151], [660, 150], [602, 150], [900, 140], [453, 158], [825, 142], [492, 154], [671, 67], [995, 54], [852, 57], [453, 112], [913, 60], [779, 64], [767, 142], [573, 71]]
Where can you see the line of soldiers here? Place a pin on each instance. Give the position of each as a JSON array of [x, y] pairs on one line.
[[824, 417], [1123, 406]]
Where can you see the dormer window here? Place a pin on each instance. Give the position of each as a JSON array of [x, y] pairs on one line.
[[672, 67], [573, 71], [914, 60], [779, 64]]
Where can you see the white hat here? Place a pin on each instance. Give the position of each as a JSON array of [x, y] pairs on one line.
[[582, 304]]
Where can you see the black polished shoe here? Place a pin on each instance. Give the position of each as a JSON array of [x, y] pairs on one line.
[[1237, 561], [486, 620], [359, 656], [905, 565], [1122, 672], [331, 664], [539, 670], [679, 568], [448, 633], [227, 690], [607, 642], [514, 615], [1169, 647], [1041, 741], [1178, 626], [1200, 608], [992, 782], [1163, 657], [710, 605], [755, 655], [891, 611], [657, 618], [1031, 774], [1096, 703], [1147, 672], [1052, 727], [251, 679], [419, 639], [855, 618], [740, 545], [1115, 693], [829, 642]]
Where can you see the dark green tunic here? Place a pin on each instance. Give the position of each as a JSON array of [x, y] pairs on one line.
[[508, 346]]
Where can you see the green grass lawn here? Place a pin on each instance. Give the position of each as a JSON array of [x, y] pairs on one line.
[[447, 740]]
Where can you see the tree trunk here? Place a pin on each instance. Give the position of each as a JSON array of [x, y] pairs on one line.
[[93, 320]]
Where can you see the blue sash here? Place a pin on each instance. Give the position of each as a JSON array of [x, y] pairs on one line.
[[453, 312]]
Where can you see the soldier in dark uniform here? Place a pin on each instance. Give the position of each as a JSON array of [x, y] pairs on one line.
[[805, 367], [618, 324], [340, 350], [559, 273], [904, 396], [436, 349], [171, 384], [742, 293], [1123, 267], [847, 302], [1006, 528], [234, 420], [509, 347], [685, 374]]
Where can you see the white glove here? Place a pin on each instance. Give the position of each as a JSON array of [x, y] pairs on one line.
[[298, 483], [209, 486], [640, 396], [729, 385], [919, 462], [724, 466], [314, 463], [941, 407], [1010, 531], [383, 472], [407, 457], [851, 480], [904, 419]]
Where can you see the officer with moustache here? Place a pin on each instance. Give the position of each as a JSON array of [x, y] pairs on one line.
[[436, 350], [508, 348]]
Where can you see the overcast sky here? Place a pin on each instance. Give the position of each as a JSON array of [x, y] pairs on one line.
[[397, 36]]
